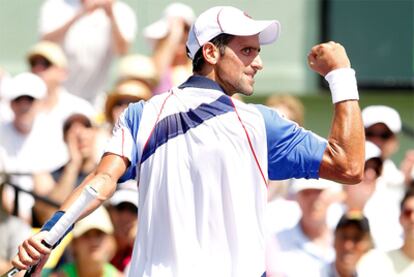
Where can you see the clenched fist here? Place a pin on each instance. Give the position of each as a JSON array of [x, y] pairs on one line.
[[326, 57]]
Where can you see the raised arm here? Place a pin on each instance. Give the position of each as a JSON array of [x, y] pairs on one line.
[[343, 160], [103, 179]]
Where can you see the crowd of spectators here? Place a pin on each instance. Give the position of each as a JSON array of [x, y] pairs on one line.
[[56, 117]]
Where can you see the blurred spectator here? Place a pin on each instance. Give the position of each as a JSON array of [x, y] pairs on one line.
[[382, 126], [289, 106], [13, 231], [137, 77], [352, 239], [22, 149], [6, 113], [80, 137], [307, 247], [123, 209], [377, 202], [398, 262], [92, 247], [47, 60], [91, 33], [168, 37]]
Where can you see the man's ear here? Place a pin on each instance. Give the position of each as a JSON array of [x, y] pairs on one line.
[[211, 53]]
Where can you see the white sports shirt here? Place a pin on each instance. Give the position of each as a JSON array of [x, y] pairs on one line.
[[202, 161]]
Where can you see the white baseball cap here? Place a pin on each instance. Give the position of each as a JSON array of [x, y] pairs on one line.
[[126, 192], [382, 114], [24, 84], [371, 151], [232, 21], [320, 184], [159, 29]]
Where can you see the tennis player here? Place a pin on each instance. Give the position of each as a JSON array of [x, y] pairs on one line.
[[203, 159]]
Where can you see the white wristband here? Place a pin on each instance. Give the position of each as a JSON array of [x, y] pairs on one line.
[[343, 85]]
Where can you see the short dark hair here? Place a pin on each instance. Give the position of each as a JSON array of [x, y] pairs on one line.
[[219, 41]]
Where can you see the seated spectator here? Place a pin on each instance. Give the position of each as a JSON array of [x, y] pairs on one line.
[[123, 209], [136, 79], [382, 127], [168, 37], [398, 262], [309, 242], [373, 200], [47, 60], [22, 149], [352, 240], [92, 248], [80, 137]]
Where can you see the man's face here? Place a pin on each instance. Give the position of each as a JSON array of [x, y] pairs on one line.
[[380, 135], [350, 244], [407, 218], [50, 73], [236, 69]]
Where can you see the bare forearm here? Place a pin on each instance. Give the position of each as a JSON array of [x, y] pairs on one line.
[[344, 157]]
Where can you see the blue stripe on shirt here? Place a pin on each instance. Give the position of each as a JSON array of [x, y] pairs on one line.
[[132, 117], [179, 123], [293, 152]]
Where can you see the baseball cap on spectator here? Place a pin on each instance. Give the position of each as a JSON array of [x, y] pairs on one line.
[[98, 219], [160, 28], [371, 151], [355, 218], [138, 67], [50, 51], [382, 114], [127, 192], [24, 84], [320, 184], [232, 21]]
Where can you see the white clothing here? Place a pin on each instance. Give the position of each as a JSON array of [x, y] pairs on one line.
[[88, 44], [298, 256], [391, 264], [52, 123], [202, 188], [6, 114]]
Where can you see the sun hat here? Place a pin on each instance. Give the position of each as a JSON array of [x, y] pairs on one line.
[[98, 219], [49, 50], [24, 84], [160, 28], [137, 66], [229, 20], [382, 114]]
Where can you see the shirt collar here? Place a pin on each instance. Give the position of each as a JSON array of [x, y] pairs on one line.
[[198, 81]]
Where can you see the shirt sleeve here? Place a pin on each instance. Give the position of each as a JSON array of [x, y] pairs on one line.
[[293, 152], [123, 140]]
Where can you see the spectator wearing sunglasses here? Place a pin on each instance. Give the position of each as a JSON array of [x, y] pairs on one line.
[[47, 60], [382, 126], [400, 261]]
